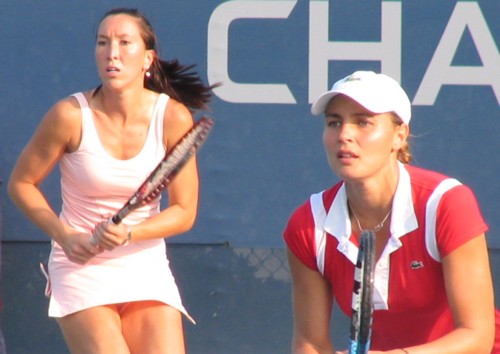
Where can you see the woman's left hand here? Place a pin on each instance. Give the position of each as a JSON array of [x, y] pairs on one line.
[[109, 236]]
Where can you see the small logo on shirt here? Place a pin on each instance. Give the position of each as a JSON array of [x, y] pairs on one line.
[[416, 265]]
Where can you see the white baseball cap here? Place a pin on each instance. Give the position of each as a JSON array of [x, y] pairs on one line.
[[378, 93]]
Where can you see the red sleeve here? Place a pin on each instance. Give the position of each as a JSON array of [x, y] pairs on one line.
[[299, 235], [459, 219]]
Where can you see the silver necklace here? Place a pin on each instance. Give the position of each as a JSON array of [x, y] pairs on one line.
[[377, 227]]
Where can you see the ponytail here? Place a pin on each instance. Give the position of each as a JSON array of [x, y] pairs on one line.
[[404, 154], [180, 82]]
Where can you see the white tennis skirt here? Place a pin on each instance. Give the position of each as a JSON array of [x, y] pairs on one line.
[[136, 272]]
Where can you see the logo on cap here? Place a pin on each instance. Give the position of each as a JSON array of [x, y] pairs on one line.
[[352, 78]]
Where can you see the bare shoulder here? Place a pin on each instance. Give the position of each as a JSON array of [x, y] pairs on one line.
[[64, 112], [177, 113], [63, 122], [177, 121]]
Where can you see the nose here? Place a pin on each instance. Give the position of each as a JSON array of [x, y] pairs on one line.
[[113, 50], [346, 132]]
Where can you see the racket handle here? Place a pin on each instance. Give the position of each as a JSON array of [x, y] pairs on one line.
[[115, 219]]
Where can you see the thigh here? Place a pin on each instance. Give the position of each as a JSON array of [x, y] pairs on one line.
[[151, 327], [94, 331]]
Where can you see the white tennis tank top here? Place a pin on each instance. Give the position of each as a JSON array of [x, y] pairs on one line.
[[95, 184]]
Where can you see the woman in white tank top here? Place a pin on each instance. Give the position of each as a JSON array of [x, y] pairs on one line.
[[116, 294]]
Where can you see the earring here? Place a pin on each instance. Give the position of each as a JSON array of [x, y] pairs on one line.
[[148, 74]]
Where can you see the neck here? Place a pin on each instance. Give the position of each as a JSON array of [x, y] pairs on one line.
[[370, 200], [121, 104], [375, 228]]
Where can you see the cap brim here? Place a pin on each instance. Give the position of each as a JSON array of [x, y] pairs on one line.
[[319, 107]]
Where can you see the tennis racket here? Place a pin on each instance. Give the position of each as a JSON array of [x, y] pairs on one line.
[[167, 169], [362, 295]]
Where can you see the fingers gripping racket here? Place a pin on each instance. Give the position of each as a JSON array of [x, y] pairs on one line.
[[362, 295], [168, 168]]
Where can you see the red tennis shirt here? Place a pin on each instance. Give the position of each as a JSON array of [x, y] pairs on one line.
[[432, 215]]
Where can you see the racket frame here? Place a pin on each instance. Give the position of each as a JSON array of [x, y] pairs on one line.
[[362, 297]]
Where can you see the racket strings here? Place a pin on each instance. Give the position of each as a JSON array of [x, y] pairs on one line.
[[173, 163]]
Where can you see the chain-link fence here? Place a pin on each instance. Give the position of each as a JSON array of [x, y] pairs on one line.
[[269, 263]]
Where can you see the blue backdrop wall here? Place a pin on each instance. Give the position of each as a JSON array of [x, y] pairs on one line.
[[274, 57], [264, 156]]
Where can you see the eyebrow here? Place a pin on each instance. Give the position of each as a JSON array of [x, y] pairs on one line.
[[332, 115], [119, 36], [358, 115]]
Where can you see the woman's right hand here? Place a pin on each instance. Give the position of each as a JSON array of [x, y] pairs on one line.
[[78, 247]]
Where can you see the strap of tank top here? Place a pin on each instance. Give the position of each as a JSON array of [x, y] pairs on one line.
[[84, 105], [158, 115]]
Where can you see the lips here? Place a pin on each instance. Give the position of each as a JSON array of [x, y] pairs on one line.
[[346, 154], [110, 69]]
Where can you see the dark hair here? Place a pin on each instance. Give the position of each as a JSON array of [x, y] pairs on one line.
[[170, 77]]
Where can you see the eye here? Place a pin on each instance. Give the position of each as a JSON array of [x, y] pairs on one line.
[[333, 123], [365, 122], [100, 43]]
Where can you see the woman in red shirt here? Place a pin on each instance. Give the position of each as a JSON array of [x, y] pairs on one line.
[[433, 289]]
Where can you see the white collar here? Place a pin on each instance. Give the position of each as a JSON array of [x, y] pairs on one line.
[[403, 221], [403, 218]]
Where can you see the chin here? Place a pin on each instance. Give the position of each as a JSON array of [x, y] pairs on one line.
[[347, 173]]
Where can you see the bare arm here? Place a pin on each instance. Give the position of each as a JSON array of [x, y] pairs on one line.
[[470, 294], [312, 306], [57, 133]]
